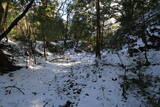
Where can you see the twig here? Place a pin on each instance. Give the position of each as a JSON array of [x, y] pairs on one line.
[[45, 104], [61, 6], [56, 59], [16, 88], [113, 65]]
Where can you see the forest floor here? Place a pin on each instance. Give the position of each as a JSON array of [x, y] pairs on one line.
[[69, 80]]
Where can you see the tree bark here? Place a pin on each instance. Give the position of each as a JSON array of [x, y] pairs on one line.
[[4, 21], [98, 46], [1, 16], [44, 46], [5, 16], [5, 33], [66, 35]]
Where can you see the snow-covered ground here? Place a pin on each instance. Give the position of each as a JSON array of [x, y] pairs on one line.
[[71, 80]]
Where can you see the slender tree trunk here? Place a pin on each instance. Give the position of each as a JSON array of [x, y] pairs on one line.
[[98, 39], [44, 47], [144, 39], [1, 16], [66, 35], [4, 22], [5, 15], [102, 33]]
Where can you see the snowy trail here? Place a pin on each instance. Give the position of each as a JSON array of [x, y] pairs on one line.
[[74, 79]]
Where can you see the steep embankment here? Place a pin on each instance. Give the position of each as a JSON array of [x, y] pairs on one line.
[[6, 61]]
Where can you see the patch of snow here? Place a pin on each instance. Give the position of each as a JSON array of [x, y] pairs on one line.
[[73, 78], [156, 31], [139, 43]]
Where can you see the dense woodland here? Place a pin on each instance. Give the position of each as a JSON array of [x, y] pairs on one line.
[[71, 52]]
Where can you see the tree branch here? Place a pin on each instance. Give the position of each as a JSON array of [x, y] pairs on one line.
[[14, 23], [16, 88]]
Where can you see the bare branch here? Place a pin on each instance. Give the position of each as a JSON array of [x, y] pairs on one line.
[[16, 88]]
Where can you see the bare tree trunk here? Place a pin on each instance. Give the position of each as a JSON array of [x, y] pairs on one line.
[[44, 47], [14, 23], [102, 34], [98, 46], [1, 16], [66, 35], [144, 39], [4, 23], [5, 15]]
